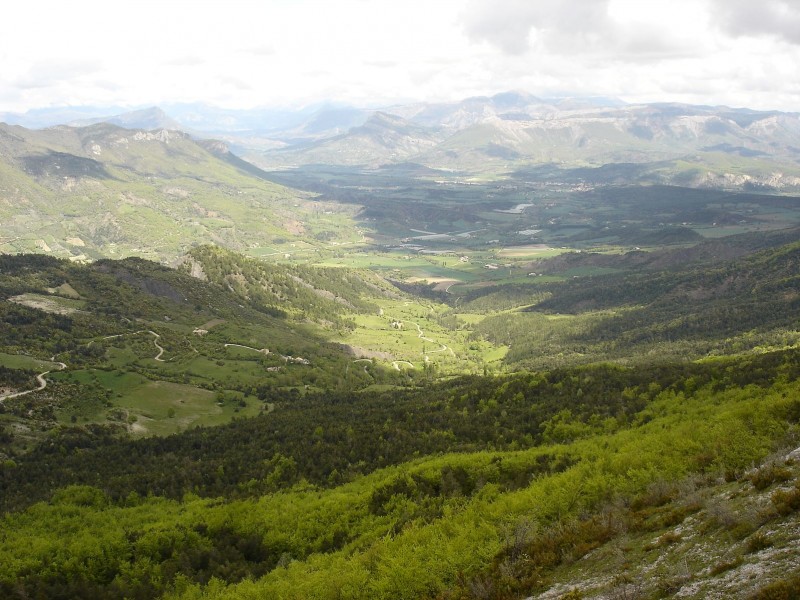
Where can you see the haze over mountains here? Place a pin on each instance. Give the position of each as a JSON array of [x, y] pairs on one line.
[[695, 145]]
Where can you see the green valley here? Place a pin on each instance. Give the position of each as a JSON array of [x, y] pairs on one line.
[[452, 378]]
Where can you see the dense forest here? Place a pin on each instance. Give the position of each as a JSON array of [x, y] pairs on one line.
[[326, 439], [306, 292], [354, 484]]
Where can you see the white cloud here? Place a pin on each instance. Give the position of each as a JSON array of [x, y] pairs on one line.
[[511, 24], [776, 18], [241, 53], [600, 28]]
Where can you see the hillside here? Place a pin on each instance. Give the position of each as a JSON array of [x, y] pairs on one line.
[[103, 191], [655, 474], [326, 296], [648, 314], [667, 143], [589, 497], [141, 349], [383, 138], [502, 348]]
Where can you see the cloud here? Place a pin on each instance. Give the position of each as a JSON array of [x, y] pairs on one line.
[[508, 24], [9, 96], [647, 43], [236, 83], [299, 51], [45, 74], [261, 50], [773, 18], [186, 61], [381, 64], [598, 29]]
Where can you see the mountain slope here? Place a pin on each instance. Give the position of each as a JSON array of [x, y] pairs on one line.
[[147, 118], [383, 138], [708, 146], [107, 191], [326, 296], [130, 348], [745, 304]]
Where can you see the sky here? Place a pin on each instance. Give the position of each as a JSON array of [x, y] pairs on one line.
[[245, 54]]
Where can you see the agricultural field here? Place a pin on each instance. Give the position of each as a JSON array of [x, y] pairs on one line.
[[465, 234], [420, 335]]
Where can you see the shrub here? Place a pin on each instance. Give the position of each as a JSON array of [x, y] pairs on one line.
[[725, 565], [786, 589], [769, 474], [786, 502], [757, 542]]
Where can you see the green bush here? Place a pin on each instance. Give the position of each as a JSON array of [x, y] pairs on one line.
[[786, 589], [769, 474], [757, 542], [786, 502]]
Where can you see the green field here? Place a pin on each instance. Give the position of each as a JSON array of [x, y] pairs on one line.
[[414, 332], [150, 407], [20, 361]]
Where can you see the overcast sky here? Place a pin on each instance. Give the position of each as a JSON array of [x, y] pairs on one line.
[[243, 54]]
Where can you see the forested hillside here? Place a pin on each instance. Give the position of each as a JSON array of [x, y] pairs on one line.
[[516, 480], [147, 350], [204, 432], [650, 315], [326, 296]]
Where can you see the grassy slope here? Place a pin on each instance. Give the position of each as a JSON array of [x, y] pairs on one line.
[[106, 191]]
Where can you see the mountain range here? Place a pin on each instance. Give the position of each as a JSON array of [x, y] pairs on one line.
[[713, 146]]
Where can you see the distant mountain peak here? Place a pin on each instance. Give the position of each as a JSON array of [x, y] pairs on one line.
[[514, 99], [147, 118], [384, 118]]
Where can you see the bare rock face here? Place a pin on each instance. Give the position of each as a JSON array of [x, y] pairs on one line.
[[776, 181], [215, 146], [162, 135], [196, 269]]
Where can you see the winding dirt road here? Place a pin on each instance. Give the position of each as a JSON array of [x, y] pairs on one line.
[[396, 364], [155, 341], [367, 360], [42, 385], [261, 350], [158, 347], [421, 336]]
